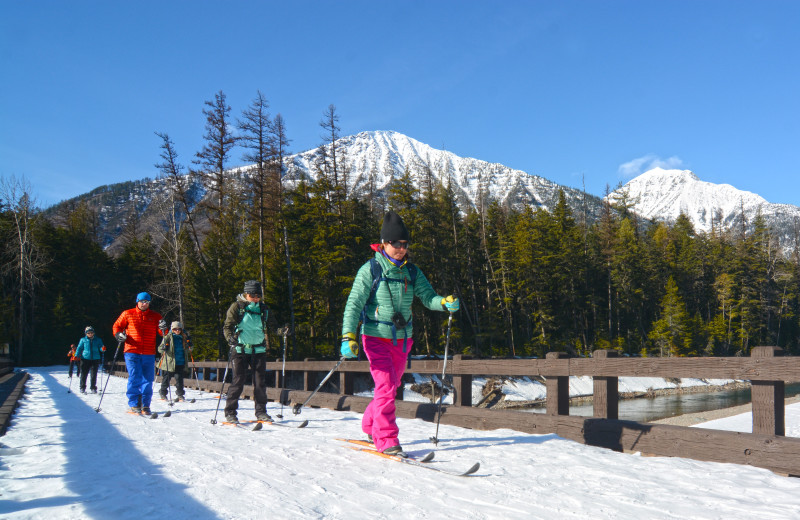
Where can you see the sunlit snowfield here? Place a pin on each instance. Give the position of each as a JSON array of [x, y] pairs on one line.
[[60, 459]]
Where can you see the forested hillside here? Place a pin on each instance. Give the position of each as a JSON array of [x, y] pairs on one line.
[[530, 280]]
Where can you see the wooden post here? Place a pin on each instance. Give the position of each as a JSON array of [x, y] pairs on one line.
[[346, 383], [767, 397], [606, 389], [462, 385], [557, 399], [308, 384]]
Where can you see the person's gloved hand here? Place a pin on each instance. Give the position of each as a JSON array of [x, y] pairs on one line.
[[162, 325], [349, 346], [103, 348], [121, 336], [450, 303]]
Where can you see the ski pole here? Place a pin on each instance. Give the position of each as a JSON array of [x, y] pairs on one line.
[[191, 357], [296, 408], [113, 362], [283, 369], [224, 377], [435, 439], [69, 389]]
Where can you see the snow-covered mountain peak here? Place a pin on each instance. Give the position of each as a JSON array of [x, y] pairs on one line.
[[664, 194], [373, 159], [661, 175]]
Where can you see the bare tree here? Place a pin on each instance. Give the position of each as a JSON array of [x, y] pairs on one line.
[[330, 124], [26, 261], [176, 212], [213, 158], [258, 140]]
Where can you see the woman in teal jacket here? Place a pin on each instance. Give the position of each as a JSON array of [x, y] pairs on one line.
[[90, 350], [385, 312]]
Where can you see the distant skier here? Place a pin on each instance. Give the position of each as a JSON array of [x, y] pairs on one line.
[[386, 325], [139, 329], [90, 350], [73, 361], [175, 350]]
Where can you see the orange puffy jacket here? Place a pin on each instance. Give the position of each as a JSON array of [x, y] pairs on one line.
[[141, 328]]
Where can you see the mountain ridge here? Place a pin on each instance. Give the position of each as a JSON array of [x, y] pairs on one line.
[[380, 156]]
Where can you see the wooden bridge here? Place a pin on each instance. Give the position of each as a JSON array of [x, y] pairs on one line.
[[767, 370]]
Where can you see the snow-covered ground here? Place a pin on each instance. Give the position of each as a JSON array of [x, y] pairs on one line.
[[527, 389], [62, 460]]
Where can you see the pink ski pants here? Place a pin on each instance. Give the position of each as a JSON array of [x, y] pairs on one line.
[[387, 363]]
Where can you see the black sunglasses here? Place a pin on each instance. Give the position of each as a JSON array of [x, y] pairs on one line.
[[397, 244]]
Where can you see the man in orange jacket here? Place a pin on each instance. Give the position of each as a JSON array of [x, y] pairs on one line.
[[139, 329]]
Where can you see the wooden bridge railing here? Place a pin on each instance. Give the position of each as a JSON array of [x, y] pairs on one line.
[[767, 370]]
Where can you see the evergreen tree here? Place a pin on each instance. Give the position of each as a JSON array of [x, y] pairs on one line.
[[671, 333]]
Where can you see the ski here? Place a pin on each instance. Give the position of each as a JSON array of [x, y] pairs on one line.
[[368, 445], [419, 464], [301, 425], [153, 415], [260, 424], [245, 425]]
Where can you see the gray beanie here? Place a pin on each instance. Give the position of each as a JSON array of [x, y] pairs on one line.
[[176, 325], [252, 287]]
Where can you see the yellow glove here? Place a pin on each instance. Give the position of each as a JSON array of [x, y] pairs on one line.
[[349, 346], [450, 303]]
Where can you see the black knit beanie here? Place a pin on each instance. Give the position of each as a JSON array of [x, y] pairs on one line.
[[252, 287], [393, 228]]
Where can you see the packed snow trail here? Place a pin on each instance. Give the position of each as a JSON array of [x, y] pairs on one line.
[[62, 460]]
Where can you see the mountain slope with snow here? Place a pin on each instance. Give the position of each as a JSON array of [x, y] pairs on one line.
[[382, 156]]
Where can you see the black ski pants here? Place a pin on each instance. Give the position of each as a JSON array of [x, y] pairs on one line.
[[167, 376], [240, 364], [88, 365]]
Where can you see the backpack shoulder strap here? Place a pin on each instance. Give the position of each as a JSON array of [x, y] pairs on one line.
[[240, 311], [377, 276]]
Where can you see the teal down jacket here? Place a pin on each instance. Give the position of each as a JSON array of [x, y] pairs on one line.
[[89, 348], [402, 296]]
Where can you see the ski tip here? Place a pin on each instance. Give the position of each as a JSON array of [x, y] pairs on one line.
[[428, 457], [303, 424], [154, 415], [168, 413], [192, 400], [473, 469], [258, 426]]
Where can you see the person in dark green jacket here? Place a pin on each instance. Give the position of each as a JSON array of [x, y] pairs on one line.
[[246, 324], [386, 325], [90, 349]]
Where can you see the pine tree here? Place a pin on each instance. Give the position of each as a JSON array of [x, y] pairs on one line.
[[671, 333]]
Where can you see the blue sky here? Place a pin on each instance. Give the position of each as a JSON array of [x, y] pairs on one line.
[[584, 93]]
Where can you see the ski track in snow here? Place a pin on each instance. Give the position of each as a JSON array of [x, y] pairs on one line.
[[62, 460]]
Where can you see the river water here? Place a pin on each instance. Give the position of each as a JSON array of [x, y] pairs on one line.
[[648, 409]]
